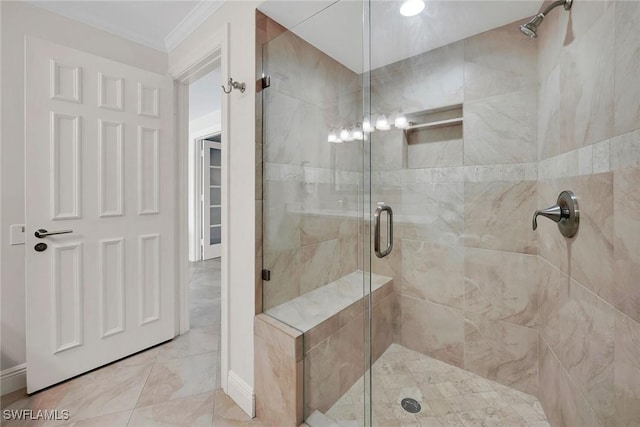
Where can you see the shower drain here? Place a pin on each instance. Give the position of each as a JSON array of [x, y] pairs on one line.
[[410, 405]]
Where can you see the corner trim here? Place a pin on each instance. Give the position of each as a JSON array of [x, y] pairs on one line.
[[189, 23], [241, 393], [13, 379]]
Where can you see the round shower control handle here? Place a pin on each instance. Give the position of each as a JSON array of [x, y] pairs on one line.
[[565, 212]]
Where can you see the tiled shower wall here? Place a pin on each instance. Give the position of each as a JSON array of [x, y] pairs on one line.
[[310, 227], [589, 142], [465, 257], [474, 285]]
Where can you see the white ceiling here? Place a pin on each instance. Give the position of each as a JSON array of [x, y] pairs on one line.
[[158, 24], [204, 95], [336, 28]]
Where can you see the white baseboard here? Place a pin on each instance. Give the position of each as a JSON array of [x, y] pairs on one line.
[[241, 393], [13, 379]]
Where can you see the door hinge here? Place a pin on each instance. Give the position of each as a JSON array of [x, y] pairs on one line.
[[266, 274], [264, 82]]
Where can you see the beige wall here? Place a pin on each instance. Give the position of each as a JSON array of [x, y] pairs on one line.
[[20, 19], [589, 142]]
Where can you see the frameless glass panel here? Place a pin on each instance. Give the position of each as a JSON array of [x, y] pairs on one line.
[[314, 239], [215, 176], [215, 158], [215, 196], [215, 235], [215, 216]]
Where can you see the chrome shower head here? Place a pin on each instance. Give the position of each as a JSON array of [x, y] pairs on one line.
[[530, 29]]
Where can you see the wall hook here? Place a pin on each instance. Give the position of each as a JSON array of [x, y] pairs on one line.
[[234, 85]]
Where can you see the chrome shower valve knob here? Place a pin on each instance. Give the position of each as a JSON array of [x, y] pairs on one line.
[[565, 213]]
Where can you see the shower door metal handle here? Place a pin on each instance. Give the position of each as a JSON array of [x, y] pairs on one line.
[[376, 236]]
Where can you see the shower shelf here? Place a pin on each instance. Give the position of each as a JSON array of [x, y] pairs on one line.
[[428, 120], [437, 124]]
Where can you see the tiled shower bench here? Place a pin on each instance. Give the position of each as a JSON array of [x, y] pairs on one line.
[[315, 343]]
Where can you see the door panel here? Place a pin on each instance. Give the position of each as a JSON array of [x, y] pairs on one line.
[[212, 199], [100, 162]]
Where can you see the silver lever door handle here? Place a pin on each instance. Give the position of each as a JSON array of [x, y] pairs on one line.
[[376, 236], [42, 233]]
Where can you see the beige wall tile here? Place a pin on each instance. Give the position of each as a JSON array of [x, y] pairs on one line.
[[435, 147], [502, 352], [627, 372], [502, 128], [553, 294], [326, 262], [433, 212], [285, 267], [591, 252], [384, 315], [549, 141], [627, 67], [586, 77], [388, 150], [433, 273], [432, 329], [587, 330], [498, 209], [498, 61], [501, 286], [549, 372], [626, 219], [441, 84], [574, 408]]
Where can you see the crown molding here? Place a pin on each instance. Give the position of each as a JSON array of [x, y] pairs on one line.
[[189, 23], [67, 10]]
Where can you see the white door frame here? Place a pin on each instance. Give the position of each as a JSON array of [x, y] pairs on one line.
[[209, 51]]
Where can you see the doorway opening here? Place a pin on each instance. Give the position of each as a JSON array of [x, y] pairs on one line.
[[205, 167]]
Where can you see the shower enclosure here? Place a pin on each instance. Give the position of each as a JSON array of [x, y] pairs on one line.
[[404, 153]]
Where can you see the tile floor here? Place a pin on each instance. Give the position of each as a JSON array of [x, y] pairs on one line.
[[449, 396], [173, 384]]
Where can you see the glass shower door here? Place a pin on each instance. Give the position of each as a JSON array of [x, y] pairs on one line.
[[315, 225]]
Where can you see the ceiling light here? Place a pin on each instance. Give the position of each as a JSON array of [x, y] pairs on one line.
[[411, 7], [357, 134], [332, 137]]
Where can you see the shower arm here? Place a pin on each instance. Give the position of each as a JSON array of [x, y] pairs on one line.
[[565, 3]]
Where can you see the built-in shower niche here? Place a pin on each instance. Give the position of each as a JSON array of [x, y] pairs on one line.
[[434, 137]]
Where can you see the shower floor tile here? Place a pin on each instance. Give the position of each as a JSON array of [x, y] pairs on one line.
[[449, 396]]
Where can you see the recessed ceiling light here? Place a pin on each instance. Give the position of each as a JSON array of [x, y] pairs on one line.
[[411, 7]]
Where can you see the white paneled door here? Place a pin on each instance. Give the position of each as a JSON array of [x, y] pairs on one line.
[[100, 170]]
